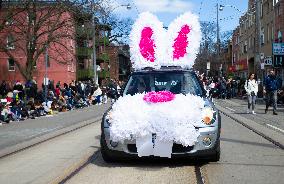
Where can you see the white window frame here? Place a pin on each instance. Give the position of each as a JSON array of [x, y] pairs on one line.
[[268, 33], [12, 45], [13, 68], [262, 36]]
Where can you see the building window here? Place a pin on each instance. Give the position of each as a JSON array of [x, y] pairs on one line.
[[245, 47], [268, 34], [261, 9], [11, 64], [10, 42], [249, 45], [9, 21], [262, 36], [272, 33]]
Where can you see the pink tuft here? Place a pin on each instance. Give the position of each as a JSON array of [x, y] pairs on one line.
[[181, 42], [147, 44], [160, 96]]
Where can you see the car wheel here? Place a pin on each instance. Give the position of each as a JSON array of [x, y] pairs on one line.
[[217, 154], [105, 151]]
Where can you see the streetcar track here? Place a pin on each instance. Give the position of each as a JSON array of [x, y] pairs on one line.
[[86, 123], [76, 171], [278, 144], [199, 174]]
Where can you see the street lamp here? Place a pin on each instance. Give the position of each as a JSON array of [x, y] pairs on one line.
[[221, 8]]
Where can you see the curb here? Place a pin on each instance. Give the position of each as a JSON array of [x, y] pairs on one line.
[[254, 128], [43, 138]]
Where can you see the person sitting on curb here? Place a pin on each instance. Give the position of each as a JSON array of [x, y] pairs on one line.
[[97, 95], [251, 88]]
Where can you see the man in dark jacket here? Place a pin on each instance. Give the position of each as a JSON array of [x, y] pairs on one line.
[[271, 85]]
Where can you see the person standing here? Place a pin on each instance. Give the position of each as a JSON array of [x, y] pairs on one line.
[[251, 87], [271, 85]]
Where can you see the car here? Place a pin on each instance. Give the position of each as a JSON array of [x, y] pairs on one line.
[[178, 81]]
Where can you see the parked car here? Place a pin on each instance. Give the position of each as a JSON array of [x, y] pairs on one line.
[[177, 81]]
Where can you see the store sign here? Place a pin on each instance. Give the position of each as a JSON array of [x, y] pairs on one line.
[[278, 60], [267, 61], [278, 48]]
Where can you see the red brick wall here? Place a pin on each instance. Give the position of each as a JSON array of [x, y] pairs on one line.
[[62, 60]]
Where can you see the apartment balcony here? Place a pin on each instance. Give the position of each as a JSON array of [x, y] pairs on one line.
[[104, 41], [85, 74], [84, 52], [102, 57], [103, 74], [84, 32]]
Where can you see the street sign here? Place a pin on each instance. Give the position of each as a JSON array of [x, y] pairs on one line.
[[45, 81], [208, 66], [261, 55], [268, 61], [278, 60], [262, 66], [278, 48]]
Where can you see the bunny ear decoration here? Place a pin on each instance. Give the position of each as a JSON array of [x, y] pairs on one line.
[[145, 39], [184, 36], [152, 46]]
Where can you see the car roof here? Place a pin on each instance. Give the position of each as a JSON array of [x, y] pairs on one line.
[[162, 70]]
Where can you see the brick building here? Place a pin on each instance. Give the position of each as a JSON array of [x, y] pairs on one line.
[[244, 40], [16, 45]]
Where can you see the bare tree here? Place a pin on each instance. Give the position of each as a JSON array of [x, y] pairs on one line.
[[120, 27], [208, 47], [31, 27]]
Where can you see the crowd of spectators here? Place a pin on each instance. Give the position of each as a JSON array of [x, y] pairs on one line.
[[231, 87], [22, 101]]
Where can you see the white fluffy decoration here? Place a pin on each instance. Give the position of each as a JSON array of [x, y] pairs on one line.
[[132, 117], [194, 39], [146, 19], [164, 41]]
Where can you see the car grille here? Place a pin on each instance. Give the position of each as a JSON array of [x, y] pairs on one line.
[[132, 148], [177, 148]]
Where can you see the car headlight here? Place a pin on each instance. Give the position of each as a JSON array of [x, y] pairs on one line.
[[208, 116], [108, 117]]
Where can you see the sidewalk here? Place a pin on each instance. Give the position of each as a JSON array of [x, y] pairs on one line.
[[53, 160], [239, 107]]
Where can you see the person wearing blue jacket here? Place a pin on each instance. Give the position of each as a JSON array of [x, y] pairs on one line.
[[271, 84]]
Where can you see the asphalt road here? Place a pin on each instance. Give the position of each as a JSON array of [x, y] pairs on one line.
[[246, 158], [18, 132]]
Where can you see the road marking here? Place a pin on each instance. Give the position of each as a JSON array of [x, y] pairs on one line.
[[276, 128], [230, 109]]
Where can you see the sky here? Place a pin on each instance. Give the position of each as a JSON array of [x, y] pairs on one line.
[[168, 10]]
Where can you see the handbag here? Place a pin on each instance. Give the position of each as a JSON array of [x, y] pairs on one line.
[[252, 93]]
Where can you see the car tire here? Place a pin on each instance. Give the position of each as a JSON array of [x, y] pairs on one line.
[[106, 153], [217, 154]]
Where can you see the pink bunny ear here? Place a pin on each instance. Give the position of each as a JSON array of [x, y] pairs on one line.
[[147, 45], [146, 42], [184, 38], [181, 42]]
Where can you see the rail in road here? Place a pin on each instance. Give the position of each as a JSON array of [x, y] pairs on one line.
[[19, 136], [90, 167]]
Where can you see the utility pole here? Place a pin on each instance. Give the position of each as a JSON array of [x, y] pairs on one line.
[[258, 41], [45, 81], [94, 58], [218, 37]]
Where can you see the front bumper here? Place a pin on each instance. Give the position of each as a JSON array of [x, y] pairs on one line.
[[128, 147]]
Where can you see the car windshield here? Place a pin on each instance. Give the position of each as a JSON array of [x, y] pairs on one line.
[[179, 82]]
